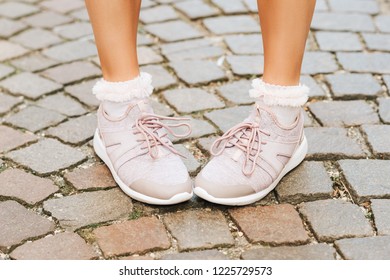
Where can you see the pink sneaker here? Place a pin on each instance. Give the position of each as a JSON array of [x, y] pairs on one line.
[[141, 158], [253, 157]]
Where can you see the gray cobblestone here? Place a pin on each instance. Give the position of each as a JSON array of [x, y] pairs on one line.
[[365, 62], [377, 42], [318, 62], [230, 7], [226, 118], [237, 92], [383, 23], [232, 24], [47, 156], [348, 85], [10, 50], [342, 22], [368, 248], [47, 19], [33, 62], [359, 6], [70, 51], [5, 71], [7, 102], [338, 41], [245, 43], [83, 92], [198, 71], [74, 30], [195, 9], [367, 178], [36, 38], [62, 104], [378, 138], [243, 65], [384, 109], [16, 9], [315, 89], [158, 14], [344, 113], [9, 27], [173, 30], [381, 211]]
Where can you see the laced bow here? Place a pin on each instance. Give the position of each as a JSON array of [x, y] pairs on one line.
[[149, 125], [247, 137]]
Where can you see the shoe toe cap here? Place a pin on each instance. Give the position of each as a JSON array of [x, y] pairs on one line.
[[159, 190], [219, 190]]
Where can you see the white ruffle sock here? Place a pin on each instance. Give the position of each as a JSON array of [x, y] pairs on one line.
[[284, 101], [116, 96]]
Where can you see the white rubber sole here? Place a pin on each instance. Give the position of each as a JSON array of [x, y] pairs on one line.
[[294, 161], [101, 152]]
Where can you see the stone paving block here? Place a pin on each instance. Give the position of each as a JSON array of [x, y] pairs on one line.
[[161, 77], [344, 113], [306, 252], [226, 118], [72, 72], [381, 210], [368, 248], [199, 229], [365, 62], [93, 177], [196, 53], [143, 39], [70, 51], [315, 89], [12, 138], [62, 104], [29, 85], [19, 224], [318, 62], [230, 7], [342, 22], [245, 65], [175, 30], [251, 4], [147, 55], [245, 43], [62, 6], [33, 62], [383, 23], [198, 71], [338, 41], [195, 9], [74, 30], [327, 143], [368, 178], [10, 50], [125, 237], [308, 121], [189, 100], [232, 24], [46, 19], [151, 3], [174, 47], [7, 102], [199, 128], [158, 14], [377, 42], [16, 9], [378, 138], [237, 92], [190, 161], [62, 246], [25, 186], [34, 118], [384, 109], [36, 38], [205, 143], [75, 131], [335, 219], [357, 6], [47, 156], [160, 108], [89, 208], [81, 14], [347, 85], [9, 27], [386, 79], [83, 92], [309, 181], [197, 255], [280, 224]]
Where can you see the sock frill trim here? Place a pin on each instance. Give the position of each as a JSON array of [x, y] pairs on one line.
[[139, 87], [275, 95]]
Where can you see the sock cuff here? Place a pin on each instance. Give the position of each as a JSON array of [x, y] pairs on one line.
[[139, 87], [276, 95]]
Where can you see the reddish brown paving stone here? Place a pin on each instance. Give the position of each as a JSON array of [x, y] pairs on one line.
[[12, 138], [199, 229], [80, 210], [25, 186], [135, 236], [62, 246], [94, 177], [18, 223], [197, 255], [274, 224], [145, 258]]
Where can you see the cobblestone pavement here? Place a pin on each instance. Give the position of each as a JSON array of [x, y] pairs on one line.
[[57, 200]]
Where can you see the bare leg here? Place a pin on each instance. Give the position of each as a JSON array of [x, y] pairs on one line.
[[115, 26], [285, 25]]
